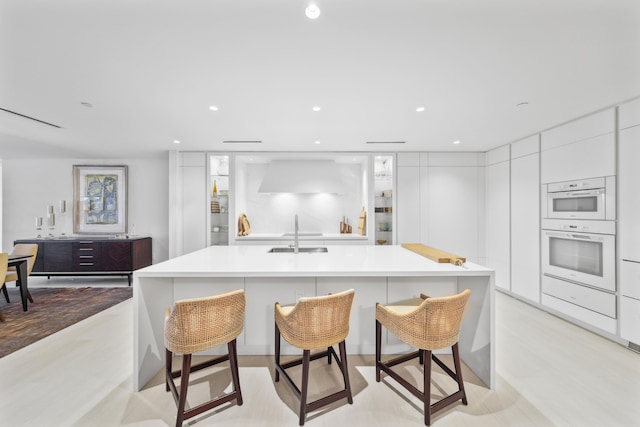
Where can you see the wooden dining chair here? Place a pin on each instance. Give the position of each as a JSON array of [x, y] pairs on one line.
[[12, 275]]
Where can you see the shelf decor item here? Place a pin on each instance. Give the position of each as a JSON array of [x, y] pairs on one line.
[[99, 199]]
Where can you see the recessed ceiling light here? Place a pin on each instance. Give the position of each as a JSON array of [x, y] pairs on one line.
[[316, 108], [175, 141], [522, 104], [312, 11], [317, 142], [213, 108], [456, 142], [420, 109]]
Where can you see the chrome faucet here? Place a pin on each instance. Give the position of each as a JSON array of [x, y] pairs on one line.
[[296, 243]]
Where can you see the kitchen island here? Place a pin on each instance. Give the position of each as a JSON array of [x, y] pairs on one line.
[[377, 273]]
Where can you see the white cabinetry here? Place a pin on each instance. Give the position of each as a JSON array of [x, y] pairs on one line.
[[454, 214], [191, 202], [497, 215], [583, 148], [629, 195], [408, 196], [629, 220], [525, 218]]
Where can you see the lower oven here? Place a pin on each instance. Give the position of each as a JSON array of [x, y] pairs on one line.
[[584, 258]]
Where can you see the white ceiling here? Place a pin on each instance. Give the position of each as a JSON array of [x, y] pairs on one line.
[[152, 68]]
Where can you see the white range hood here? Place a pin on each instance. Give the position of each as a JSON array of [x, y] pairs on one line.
[[304, 176]]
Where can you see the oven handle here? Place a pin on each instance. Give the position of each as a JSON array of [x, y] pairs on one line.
[[573, 236]]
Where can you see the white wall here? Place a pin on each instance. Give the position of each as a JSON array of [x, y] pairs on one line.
[[29, 185], [274, 213]]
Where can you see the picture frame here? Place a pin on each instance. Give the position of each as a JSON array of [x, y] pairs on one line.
[[99, 199]]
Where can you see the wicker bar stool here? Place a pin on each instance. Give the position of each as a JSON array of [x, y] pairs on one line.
[[428, 324], [196, 325], [315, 323]]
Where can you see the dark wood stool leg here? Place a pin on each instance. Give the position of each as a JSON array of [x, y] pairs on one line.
[[456, 362], [426, 356], [345, 371], [277, 356], [5, 292], [167, 372], [306, 356], [378, 349], [329, 355], [184, 384], [233, 361]]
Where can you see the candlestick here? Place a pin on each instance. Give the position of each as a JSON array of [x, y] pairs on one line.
[[51, 219], [63, 206], [50, 209], [38, 221]]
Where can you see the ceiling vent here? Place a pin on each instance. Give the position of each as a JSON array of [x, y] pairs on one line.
[[302, 177], [241, 142], [386, 142]]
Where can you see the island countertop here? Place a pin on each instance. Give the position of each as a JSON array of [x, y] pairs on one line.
[[377, 274], [351, 260]]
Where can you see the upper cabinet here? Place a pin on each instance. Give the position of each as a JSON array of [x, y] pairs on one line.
[[583, 148], [629, 114]]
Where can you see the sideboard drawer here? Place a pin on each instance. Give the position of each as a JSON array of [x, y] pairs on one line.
[[87, 255]]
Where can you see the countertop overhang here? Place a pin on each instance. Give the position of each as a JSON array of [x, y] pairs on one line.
[[350, 260]]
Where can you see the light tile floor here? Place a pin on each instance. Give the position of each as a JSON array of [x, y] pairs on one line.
[[549, 373]]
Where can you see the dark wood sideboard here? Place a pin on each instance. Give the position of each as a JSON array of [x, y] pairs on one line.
[[88, 256]]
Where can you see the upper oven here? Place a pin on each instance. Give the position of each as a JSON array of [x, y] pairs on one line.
[[591, 199]]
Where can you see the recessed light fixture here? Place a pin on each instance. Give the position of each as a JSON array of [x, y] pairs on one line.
[[213, 108], [175, 141], [316, 108], [456, 142], [317, 142], [312, 11], [522, 104], [420, 109]]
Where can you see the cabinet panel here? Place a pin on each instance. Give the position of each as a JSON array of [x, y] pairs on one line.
[[581, 129], [590, 158], [629, 114], [408, 197], [453, 214], [116, 256], [525, 226], [57, 256], [630, 279], [497, 223], [629, 202], [630, 319], [194, 209]]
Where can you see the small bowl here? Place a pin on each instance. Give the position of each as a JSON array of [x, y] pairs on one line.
[[381, 241]]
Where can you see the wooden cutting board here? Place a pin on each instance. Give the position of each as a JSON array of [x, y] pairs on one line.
[[434, 254]]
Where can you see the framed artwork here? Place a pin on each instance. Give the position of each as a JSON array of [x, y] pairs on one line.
[[99, 199]]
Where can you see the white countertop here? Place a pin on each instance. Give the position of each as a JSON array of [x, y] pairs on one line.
[[339, 261], [302, 237]]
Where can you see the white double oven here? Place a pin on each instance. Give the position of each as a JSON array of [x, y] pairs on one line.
[[578, 243]]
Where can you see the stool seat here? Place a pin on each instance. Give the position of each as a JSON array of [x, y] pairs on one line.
[[314, 323], [199, 324], [427, 324]]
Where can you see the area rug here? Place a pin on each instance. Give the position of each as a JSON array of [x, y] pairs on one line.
[[53, 309]]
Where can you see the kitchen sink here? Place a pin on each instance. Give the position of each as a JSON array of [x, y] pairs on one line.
[[303, 233], [305, 250]]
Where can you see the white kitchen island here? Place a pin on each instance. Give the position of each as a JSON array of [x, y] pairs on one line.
[[382, 274]]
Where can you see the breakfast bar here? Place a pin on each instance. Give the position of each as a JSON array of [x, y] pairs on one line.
[[382, 274]]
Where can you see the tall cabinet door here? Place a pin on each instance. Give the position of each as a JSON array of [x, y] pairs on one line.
[[408, 189], [525, 219], [193, 185], [497, 216]]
